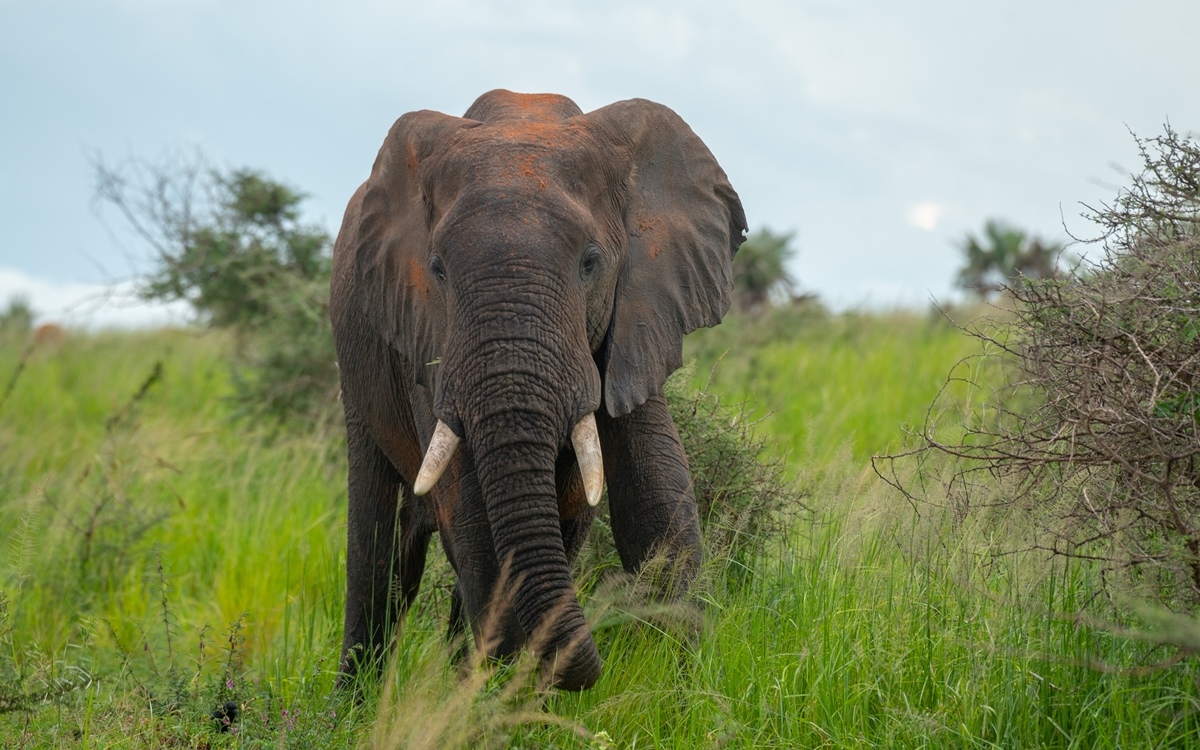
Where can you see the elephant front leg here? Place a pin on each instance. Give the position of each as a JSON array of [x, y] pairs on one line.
[[480, 599], [371, 609], [416, 529], [651, 498]]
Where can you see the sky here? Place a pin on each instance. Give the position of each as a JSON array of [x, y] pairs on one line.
[[880, 132]]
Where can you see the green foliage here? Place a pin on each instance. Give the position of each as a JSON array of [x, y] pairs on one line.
[[1002, 256], [234, 246], [287, 368], [144, 524], [16, 319], [27, 677], [760, 270], [251, 248]]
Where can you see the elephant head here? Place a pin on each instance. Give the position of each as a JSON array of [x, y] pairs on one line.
[[532, 264]]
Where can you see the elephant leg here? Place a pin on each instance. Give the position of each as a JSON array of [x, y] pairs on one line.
[[482, 599], [416, 529], [575, 515], [374, 485], [456, 633], [574, 533], [467, 538], [651, 498]]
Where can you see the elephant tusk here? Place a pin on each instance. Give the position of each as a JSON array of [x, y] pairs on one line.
[[586, 441], [437, 458]]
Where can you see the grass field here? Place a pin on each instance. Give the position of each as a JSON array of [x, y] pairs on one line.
[[160, 559]]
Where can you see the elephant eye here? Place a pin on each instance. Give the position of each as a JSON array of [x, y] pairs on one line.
[[590, 262], [436, 267]]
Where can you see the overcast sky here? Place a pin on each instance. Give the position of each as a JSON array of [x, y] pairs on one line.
[[880, 132]]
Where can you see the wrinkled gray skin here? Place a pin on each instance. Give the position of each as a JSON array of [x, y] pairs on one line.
[[509, 272]]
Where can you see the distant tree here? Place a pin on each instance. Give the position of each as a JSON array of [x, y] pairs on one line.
[[232, 243], [223, 240], [1003, 254], [760, 270], [229, 267], [17, 316]]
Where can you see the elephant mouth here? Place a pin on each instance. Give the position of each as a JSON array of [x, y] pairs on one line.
[[585, 439]]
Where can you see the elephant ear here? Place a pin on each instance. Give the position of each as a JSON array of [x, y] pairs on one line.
[[392, 239], [683, 224]]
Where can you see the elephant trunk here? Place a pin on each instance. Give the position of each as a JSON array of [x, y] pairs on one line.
[[517, 478], [519, 391]]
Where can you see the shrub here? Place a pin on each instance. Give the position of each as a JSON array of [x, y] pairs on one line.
[[1096, 432], [743, 494], [742, 491]]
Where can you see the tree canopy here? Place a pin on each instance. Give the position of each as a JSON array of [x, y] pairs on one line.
[[760, 270], [1003, 254], [233, 244]]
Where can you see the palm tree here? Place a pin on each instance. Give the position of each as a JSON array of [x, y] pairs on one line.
[[1004, 254], [760, 269]]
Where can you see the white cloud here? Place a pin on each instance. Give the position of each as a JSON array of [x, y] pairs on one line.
[[91, 306], [926, 215]]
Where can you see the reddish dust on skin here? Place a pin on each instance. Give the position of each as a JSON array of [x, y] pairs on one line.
[[445, 501], [651, 238], [527, 165], [443, 507], [555, 137], [417, 278], [506, 105], [572, 502], [539, 104], [519, 168], [527, 136], [412, 157]]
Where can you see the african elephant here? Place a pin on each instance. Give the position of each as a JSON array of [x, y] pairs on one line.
[[510, 290]]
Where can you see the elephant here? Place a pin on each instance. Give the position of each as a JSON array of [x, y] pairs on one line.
[[510, 290]]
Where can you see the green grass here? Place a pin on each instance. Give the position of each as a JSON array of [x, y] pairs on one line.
[[867, 627], [825, 384], [101, 489]]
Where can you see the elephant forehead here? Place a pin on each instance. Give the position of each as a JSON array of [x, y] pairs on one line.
[[530, 154], [511, 215]]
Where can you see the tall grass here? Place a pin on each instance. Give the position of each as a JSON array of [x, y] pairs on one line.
[[105, 487], [826, 383], [877, 630], [872, 626]]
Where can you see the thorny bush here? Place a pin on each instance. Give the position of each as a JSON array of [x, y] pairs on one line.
[[1095, 431]]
